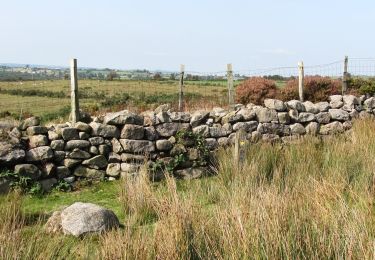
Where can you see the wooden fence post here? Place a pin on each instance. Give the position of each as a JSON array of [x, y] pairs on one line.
[[230, 85], [301, 75], [345, 76], [181, 92], [74, 91], [239, 148]]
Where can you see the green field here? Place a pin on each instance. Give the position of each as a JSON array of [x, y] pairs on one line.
[[312, 199], [52, 97]]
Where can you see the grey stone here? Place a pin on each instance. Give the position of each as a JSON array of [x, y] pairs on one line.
[[89, 173], [70, 179], [336, 101], [283, 118], [4, 186], [150, 133], [163, 108], [350, 101], [134, 158], [331, 128], [38, 140], [28, 170], [130, 167], [15, 133], [354, 114], [323, 117], [266, 115], [78, 154], [293, 115], [122, 118], [69, 133], [48, 169], [323, 106], [59, 156], [150, 118], [231, 117], [31, 121], [191, 173], [199, 118], [36, 130], [202, 130], [247, 114], [369, 103], [338, 114], [71, 163], [217, 114], [297, 129], [223, 141], [305, 117], [114, 158], [273, 128], [40, 153], [247, 126], [180, 117], [135, 132], [211, 143], [113, 169], [167, 129], [220, 131], [57, 145], [163, 145], [82, 218], [104, 149], [106, 131], [178, 149], [94, 150], [116, 146], [311, 107], [81, 126], [163, 117], [47, 184], [312, 128], [270, 138], [10, 154], [296, 105], [137, 146], [278, 105], [255, 136], [347, 125], [97, 140], [96, 162], [193, 154], [72, 144], [62, 172], [83, 135]]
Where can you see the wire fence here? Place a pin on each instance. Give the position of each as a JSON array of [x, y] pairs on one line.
[[49, 97]]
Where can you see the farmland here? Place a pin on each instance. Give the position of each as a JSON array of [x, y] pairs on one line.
[[52, 97]]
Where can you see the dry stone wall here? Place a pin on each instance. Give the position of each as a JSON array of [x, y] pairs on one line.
[[117, 144]]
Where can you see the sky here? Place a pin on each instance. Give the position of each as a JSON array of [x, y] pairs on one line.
[[204, 35]]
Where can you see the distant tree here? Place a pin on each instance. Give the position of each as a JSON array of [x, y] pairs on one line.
[[157, 76], [172, 76], [112, 75]]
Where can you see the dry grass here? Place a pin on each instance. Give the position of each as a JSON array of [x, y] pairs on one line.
[[309, 200]]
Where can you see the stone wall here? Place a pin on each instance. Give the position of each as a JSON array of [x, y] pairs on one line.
[[117, 144]]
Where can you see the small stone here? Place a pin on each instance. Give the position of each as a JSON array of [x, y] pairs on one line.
[[323, 117], [310, 107], [94, 150], [59, 156], [130, 167], [296, 105], [199, 118], [134, 132], [97, 140], [62, 172], [96, 162], [83, 127], [48, 169], [163, 145], [223, 141], [57, 145], [305, 117], [81, 171], [81, 144], [180, 117], [266, 115], [114, 158], [231, 117], [31, 121], [70, 179], [38, 140], [247, 114], [338, 114], [331, 128], [40, 153], [69, 133], [104, 149], [297, 129], [167, 129], [36, 130], [255, 136], [71, 163], [28, 170], [202, 130], [278, 105], [84, 136], [283, 118], [150, 133], [191, 173], [113, 169], [79, 154], [116, 146], [312, 128], [106, 131]]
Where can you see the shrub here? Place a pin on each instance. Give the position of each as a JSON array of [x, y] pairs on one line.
[[362, 86], [315, 88], [255, 90]]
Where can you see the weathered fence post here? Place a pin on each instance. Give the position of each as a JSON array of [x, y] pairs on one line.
[[301, 75], [230, 85], [345, 76], [181, 92], [239, 148], [74, 91]]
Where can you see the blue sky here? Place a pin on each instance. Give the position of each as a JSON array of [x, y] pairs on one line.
[[204, 35]]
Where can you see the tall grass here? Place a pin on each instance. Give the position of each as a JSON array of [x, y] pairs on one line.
[[307, 200]]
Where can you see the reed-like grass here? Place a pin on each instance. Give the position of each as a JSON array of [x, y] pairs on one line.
[[307, 200]]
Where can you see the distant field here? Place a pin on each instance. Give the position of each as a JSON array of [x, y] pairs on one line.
[[51, 97]]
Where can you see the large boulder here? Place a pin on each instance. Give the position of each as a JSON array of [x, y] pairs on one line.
[[122, 118], [82, 218]]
